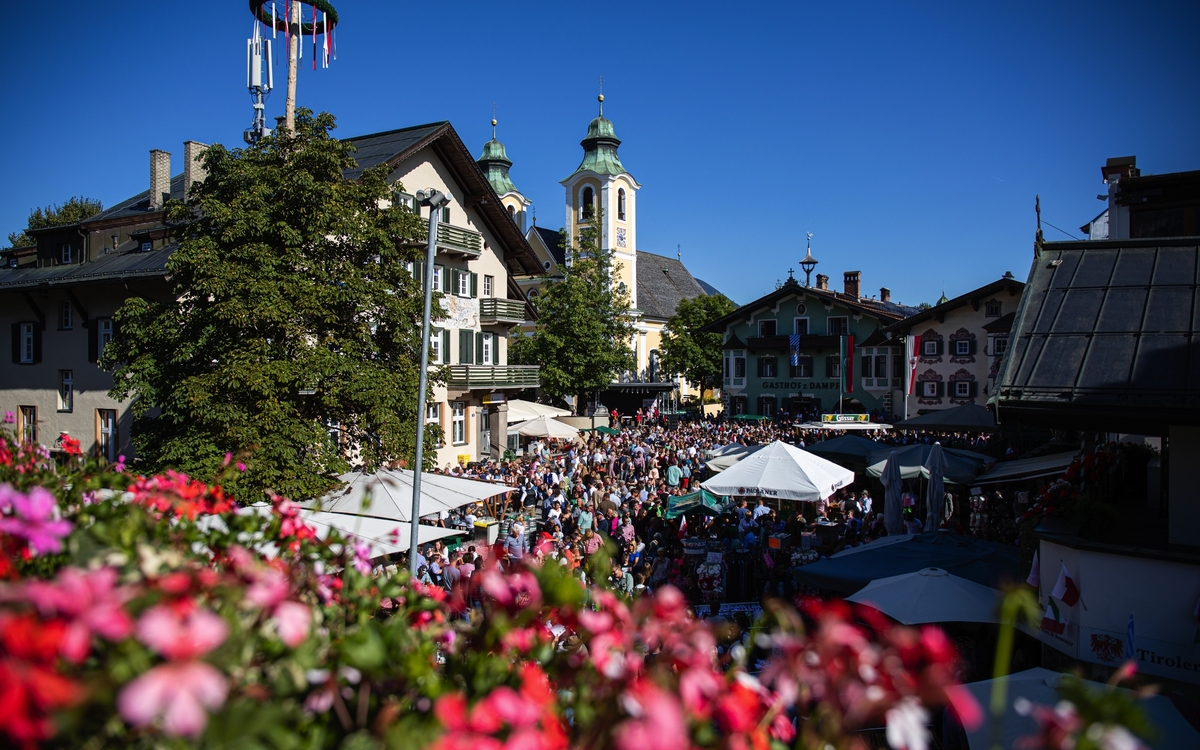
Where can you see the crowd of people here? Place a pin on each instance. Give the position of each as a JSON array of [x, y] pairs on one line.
[[613, 492]]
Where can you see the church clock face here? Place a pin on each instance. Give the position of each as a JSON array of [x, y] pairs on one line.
[[620, 236]]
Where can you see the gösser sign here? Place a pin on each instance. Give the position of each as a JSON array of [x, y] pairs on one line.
[[800, 386]]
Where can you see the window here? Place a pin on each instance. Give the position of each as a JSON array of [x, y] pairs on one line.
[[107, 441], [621, 204], [931, 389], [897, 369], [458, 422], [438, 273], [726, 367], [931, 348], [436, 351], [587, 208], [104, 327], [803, 369], [868, 369], [801, 326], [962, 388], [433, 413], [25, 344], [766, 328], [833, 366], [766, 406], [462, 283], [66, 316], [992, 310], [739, 367], [445, 214], [486, 344], [766, 367], [64, 254], [66, 390], [147, 246], [27, 427], [964, 348], [512, 211], [837, 326], [1000, 345], [337, 436], [489, 283], [881, 369]]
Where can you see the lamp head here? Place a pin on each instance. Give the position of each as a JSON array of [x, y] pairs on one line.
[[433, 198]]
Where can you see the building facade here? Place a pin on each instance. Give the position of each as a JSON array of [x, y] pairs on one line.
[[834, 330], [962, 343]]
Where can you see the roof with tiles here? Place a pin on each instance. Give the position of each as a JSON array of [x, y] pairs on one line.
[[662, 283]]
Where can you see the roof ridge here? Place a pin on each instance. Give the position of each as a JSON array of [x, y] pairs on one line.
[[438, 123]]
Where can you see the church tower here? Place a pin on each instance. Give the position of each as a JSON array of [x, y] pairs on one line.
[[601, 189], [495, 165]]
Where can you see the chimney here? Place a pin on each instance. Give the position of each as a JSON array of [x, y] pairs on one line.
[[885, 294], [160, 177], [822, 281], [1114, 170], [193, 171], [850, 283]]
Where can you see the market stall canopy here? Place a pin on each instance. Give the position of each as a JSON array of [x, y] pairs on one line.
[[850, 449], [523, 411], [1027, 468], [930, 595], [978, 560], [728, 455], [781, 471], [383, 536], [387, 494], [1039, 686], [602, 429], [547, 426], [702, 501], [843, 426], [962, 466], [965, 418]]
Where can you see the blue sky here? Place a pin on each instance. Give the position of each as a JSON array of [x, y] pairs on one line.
[[910, 140]]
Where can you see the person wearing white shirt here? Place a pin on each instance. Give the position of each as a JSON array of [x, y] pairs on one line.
[[761, 509]]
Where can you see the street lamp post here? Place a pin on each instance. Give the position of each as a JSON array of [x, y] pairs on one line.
[[436, 200]]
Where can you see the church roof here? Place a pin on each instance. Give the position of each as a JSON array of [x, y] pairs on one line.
[[600, 148], [662, 283], [495, 164], [552, 239]]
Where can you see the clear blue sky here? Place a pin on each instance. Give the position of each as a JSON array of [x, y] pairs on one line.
[[910, 141]]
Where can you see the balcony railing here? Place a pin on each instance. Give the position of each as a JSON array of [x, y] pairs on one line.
[[489, 377], [494, 311], [457, 239]]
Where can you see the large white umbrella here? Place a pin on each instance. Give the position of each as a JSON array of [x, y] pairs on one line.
[[728, 455], [781, 471], [935, 491], [383, 536], [387, 494], [930, 595], [521, 411], [893, 517], [1039, 686], [547, 426]]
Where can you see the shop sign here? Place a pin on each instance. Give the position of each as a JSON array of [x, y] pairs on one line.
[[1173, 660], [796, 385], [840, 418]]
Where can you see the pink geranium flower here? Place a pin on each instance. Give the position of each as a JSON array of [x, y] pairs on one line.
[[178, 695], [293, 621], [181, 636], [656, 721], [35, 519], [91, 603]]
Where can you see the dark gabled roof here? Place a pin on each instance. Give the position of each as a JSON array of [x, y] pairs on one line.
[[662, 283], [710, 290], [1107, 336], [877, 338], [137, 207], [552, 239], [734, 343], [1003, 324], [394, 146], [883, 312], [973, 298], [129, 264]]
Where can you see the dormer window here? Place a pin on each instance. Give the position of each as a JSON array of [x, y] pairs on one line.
[[587, 208], [621, 204], [992, 309], [64, 254]]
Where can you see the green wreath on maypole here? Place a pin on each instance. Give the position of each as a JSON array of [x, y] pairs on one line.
[[280, 23]]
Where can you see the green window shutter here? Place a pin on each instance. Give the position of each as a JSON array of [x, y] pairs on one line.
[[454, 274], [479, 347], [941, 389], [971, 349], [419, 272], [974, 386], [445, 281], [474, 285], [445, 346], [466, 345], [941, 347]]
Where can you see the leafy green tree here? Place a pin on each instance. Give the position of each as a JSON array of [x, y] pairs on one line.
[[582, 340], [74, 210], [293, 334], [687, 350]]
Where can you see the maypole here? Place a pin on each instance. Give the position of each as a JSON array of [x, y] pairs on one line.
[[291, 22]]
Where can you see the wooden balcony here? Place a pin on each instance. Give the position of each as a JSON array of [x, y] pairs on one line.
[[494, 311], [492, 377], [454, 239]]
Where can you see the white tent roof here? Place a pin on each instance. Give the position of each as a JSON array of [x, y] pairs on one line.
[[728, 455], [930, 595], [1027, 468], [522, 411], [387, 494], [843, 426], [383, 536], [547, 426], [1039, 686], [781, 471]]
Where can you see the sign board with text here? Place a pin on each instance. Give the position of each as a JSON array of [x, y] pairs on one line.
[[840, 418]]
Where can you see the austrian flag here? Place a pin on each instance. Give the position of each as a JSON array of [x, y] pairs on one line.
[[1052, 621], [1065, 589]]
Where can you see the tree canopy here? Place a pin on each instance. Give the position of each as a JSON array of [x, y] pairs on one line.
[[293, 334], [76, 209], [582, 340], [687, 350]]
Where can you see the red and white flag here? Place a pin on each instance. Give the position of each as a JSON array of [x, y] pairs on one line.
[[912, 350], [1035, 573], [683, 527], [1065, 589], [1052, 621]]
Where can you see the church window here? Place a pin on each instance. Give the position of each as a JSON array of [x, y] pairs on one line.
[[621, 204], [512, 211], [588, 208]]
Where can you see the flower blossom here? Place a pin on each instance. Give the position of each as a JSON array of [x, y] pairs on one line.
[[181, 636], [89, 601], [180, 694], [35, 519]]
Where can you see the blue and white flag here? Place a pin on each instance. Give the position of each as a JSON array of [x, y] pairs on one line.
[[794, 343]]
